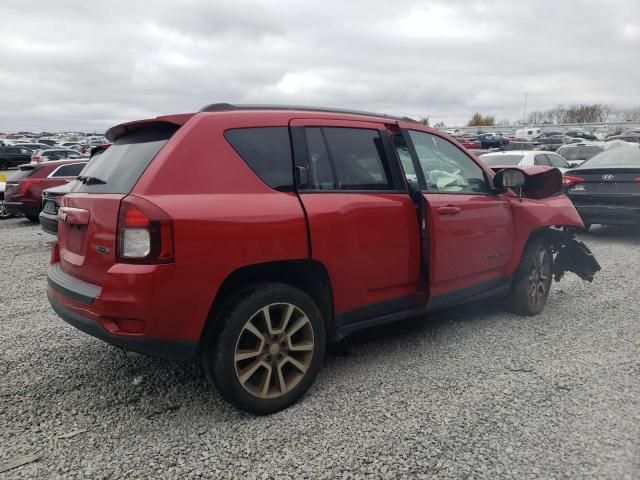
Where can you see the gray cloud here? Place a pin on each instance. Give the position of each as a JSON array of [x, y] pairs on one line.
[[89, 65]]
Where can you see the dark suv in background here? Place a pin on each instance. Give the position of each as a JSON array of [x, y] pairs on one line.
[[13, 156]]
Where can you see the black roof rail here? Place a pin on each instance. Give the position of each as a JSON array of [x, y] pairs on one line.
[[228, 107]]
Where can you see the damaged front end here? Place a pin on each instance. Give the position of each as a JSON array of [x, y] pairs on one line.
[[571, 255]]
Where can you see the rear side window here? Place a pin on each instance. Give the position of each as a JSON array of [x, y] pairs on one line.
[[122, 164], [69, 170], [267, 151]]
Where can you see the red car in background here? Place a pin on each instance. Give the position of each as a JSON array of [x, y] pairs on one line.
[[23, 192], [470, 143]]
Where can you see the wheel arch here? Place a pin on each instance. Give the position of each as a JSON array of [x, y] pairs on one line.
[[570, 255], [308, 275]]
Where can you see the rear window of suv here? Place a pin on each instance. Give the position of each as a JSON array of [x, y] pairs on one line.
[[24, 172], [121, 165]]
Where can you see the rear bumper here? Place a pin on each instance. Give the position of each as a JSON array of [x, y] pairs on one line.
[[100, 312], [171, 349], [609, 214], [23, 208], [49, 223]]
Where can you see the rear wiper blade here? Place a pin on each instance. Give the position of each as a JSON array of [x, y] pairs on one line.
[[91, 180]]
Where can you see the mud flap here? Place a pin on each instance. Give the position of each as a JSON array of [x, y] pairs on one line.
[[572, 256]]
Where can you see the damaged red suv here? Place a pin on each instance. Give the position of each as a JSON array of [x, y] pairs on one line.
[[290, 228]]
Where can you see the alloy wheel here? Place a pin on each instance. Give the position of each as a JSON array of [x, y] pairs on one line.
[[539, 278], [274, 350]]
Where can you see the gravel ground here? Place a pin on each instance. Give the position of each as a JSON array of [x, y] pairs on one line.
[[470, 393]]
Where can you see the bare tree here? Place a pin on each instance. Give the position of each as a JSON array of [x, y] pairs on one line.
[[424, 121], [477, 120]]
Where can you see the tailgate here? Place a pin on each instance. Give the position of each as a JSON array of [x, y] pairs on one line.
[[88, 217], [87, 227]]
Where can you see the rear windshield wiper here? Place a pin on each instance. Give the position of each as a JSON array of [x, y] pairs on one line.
[[91, 180]]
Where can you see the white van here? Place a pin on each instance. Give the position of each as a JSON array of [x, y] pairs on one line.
[[528, 132]]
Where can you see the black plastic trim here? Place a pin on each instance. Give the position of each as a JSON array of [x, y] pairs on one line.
[[19, 207], [407, 307], [49, 223], [170, 349], [491, 288], [72, 287]]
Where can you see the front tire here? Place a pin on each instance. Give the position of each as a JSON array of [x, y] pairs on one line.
[[269, 349], [532, 280]]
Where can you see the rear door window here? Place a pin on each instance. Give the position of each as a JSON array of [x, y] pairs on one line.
[[358, 158], [122, 164], [267, 151], [321, 175]]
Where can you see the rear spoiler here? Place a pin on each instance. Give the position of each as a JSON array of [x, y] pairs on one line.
[[129, 127]]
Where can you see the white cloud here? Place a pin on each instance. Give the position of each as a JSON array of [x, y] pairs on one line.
[[87, 65]]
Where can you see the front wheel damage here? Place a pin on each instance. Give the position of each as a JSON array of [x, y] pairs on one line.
[[571, 255]]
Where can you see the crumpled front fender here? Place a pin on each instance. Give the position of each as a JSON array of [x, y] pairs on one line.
[[571, 256]]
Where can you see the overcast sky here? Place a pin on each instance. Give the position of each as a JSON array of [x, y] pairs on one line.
[[89, 65]]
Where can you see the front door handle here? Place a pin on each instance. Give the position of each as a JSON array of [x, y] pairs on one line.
[[449, 210]]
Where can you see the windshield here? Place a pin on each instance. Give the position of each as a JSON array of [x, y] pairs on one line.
[[493, 160], [120, 166]]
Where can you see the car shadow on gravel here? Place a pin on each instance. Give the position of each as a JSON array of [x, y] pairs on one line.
[[429, 324], [154, 386]]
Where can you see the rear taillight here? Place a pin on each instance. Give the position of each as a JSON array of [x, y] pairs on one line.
[[145, 233], [20, 188], [636, 180], [568, 180]]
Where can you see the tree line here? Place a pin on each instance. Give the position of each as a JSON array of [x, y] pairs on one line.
[[576, 113]]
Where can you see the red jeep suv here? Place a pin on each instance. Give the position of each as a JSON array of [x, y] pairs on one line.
[[251, 236]]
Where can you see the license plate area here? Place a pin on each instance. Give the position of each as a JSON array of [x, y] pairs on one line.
[[75, 238]]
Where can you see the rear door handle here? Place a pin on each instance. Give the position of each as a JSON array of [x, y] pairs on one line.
[[449, 210]]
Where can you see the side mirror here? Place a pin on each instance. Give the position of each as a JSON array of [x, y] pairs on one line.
[[509, 178]]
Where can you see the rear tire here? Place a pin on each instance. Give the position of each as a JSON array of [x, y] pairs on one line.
[[33, 218], [3, 211], [4, 165], [532, 280], [267, 350]]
